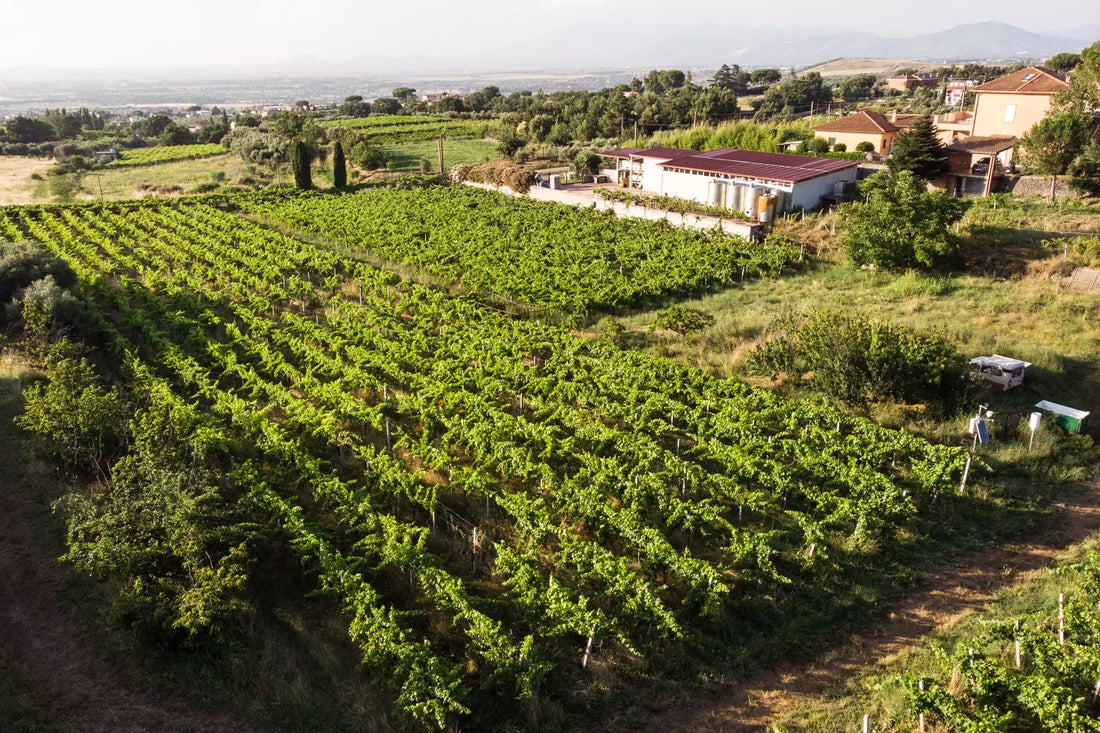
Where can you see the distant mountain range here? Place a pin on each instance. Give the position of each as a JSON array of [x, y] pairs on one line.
[[584, 57]]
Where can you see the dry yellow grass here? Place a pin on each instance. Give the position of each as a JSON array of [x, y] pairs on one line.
[[16, 184]]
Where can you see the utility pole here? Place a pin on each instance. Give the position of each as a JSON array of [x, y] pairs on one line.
[[441, 169], [635, 133]]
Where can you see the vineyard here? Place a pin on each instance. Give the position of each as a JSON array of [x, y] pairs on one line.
[[1038, 670], [495, 504], [534, 252], [165, 154], [393, 129]]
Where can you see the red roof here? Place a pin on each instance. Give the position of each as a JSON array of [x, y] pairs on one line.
[[753, 164], [662, 153], [864, 122], [982, 145], [1029, 80]]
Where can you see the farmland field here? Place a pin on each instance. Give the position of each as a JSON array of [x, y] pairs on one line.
[[537, 253], [165, 154], [407, 157], [392, 130], [495, 505]]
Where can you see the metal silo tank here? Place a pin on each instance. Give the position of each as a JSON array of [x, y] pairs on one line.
[[752, 195], [735, 196], [716, 193], [781, 202]]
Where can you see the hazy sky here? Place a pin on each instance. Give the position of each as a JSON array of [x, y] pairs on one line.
[[145, 33]]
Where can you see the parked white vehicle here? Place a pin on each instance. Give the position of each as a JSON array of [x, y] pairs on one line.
[[1001, 370]]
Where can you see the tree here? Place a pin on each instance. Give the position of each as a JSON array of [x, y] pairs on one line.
[[385, 106], [1053, 144], [896, 223], [766, 76], [354, 106], [173, 134], [732, 78], [717, 104], [22, 129], [586, 164], [857, 87], [302, 104], [794, 96], [919, 151], [299, 163], [539, 127], [1060, 63], [153, 126], [1083, 94], [865, 147], [404, 94], [509, 143], [339, 166]]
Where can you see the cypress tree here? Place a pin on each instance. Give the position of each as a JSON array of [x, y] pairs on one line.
[[299, 163], [920, 151], [339, 166]]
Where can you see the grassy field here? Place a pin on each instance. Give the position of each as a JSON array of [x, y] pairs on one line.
[[166, 179], [840, 68], [455, 152], [1022, 311], [16, 184]]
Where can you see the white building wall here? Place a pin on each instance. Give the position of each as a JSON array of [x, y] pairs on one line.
[[652, 174], [686, 186], [807, 194]]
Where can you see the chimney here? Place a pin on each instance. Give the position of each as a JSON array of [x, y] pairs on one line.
[[894, 116]]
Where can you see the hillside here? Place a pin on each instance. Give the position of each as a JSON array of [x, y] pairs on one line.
[[845, 67]]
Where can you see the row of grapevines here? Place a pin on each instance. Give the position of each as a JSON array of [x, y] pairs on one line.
[[165, 154], [539, 253], [535, 488]]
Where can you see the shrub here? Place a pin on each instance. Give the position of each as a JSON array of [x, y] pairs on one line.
[[840, 148], [78, 420], [897, 223], [682, 319], [497, 173], [816, 145], [857, 360], [22, 263], [865, 147]]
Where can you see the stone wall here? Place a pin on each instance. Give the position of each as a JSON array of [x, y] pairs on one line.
[[1037, 186]]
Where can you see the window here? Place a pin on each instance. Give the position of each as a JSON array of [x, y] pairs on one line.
[[1029, 77], [1010, 114], [832, 141]]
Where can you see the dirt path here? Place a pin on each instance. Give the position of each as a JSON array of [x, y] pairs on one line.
[[47, 643], [942, 601]]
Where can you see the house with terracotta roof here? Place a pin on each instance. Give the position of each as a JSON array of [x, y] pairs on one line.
[[907, 82], [732, 178], [1012, 104], [976, 162], [864, 126]]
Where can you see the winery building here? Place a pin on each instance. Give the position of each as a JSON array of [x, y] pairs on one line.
[[735, 179]]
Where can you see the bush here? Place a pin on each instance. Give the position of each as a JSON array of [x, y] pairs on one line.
[[22, 263], [78, 420], [897, 223], [682, 319], [840, 148], [857, 360], [816, 145], [586, 164], [496, 173], [865, 147]]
